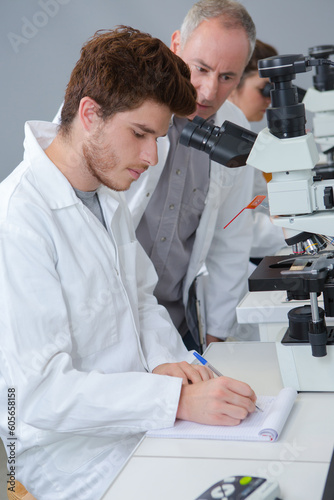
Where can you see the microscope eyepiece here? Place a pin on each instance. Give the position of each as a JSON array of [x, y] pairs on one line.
[[228, 145], [265, 92]]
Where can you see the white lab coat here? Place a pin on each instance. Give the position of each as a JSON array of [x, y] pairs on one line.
[[225, 252], [79, 331]]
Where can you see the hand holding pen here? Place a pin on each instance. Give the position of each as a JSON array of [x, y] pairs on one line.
[[216, 401], [212, 368]]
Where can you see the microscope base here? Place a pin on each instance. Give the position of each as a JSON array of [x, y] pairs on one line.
[[302, 371]]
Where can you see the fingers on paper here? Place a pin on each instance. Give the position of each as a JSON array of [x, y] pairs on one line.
[[237, 398], [240, 388]]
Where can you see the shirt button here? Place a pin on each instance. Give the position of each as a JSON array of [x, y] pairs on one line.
[[178, 172], [163, 238], [171, 207], [148, 194]]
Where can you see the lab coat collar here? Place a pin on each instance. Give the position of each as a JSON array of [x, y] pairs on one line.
[[51, 182]]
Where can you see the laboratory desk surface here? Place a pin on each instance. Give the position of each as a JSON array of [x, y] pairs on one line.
[[182, 469]]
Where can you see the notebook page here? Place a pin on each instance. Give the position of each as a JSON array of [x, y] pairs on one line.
[[279, 412], [256, 427]]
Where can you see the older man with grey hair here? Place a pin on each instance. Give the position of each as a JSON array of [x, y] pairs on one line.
[[182, 205]]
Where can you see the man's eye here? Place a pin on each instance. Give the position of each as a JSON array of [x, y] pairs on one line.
[[200, 69], [225, 78], [138, 134]]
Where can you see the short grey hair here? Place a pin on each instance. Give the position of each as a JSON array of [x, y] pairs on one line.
[[232, 14]]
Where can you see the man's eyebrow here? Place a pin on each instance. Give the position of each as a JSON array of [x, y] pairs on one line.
[[144, 128], [148, 130], [202, 63]]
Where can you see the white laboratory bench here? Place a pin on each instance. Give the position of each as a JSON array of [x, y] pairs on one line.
[[182, 469]]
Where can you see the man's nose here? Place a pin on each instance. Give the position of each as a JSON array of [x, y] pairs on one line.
[[149, 155], [209, 88]]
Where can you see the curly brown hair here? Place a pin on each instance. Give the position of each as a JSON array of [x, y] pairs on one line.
[[122, 68]]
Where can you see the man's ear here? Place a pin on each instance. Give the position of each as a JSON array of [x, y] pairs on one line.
[[175, 45], [88, 112]]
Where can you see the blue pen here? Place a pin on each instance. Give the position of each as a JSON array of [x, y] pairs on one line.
[[206, 363], [212, 368]]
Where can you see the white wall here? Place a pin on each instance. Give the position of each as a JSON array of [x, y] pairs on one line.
[[41, 41]]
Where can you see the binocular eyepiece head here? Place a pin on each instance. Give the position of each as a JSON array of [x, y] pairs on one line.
[[228, 145]]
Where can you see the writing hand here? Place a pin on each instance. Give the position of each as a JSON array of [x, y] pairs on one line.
[[219, 401], [188, 373]]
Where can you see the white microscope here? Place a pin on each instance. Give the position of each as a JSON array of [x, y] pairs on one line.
[[319, 100], [301, 202]]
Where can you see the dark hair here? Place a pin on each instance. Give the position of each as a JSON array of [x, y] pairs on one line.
[[122, 68], [261, 51]]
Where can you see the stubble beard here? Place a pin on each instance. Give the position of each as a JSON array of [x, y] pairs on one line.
[[101, 164]]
